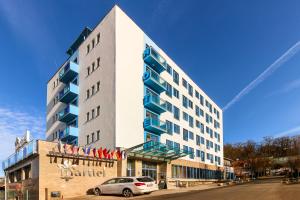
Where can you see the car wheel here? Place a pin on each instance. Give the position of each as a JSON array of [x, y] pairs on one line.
[[127, 193], [97, 192]]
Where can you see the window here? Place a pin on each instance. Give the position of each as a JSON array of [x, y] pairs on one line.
[[184, 83], [98, 135], [93, 43], [93, 114], [175, 77], [98, 86], [191, 104], [98, 110], [191, 152], [169, 90], [93, 66], [185, 149], [93, 137], [197, 140], [87, 139], [198, 124], [198, 153], [169, 106], [202, 140], [185, 116], [98, 62], [87, 49], [98, 38], [191, 121], [202, 156], [176, 112], [185, 135], [169, 69], [87, 116], [88, 70], [93, 90], [169, 143], [201, 112], [176, 146], [202, 127], [201, 100], [184, 101], [191, 135], [176, 128], [190, 90], [176, 93], [169, 127], [197, 94], [88, 94]]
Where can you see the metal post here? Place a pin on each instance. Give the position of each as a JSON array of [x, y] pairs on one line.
[[5, 186]]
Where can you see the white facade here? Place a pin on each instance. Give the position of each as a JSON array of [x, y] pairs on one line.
[[119, 122]]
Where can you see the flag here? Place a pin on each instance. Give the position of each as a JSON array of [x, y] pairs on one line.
[[112, 154], [100, 152], [94, 152], [108, 154], [84, 150], [104, 153], [73, 148], [119, 155], [88, 151]]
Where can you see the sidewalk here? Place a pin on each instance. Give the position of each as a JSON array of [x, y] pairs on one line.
[[156, 193]]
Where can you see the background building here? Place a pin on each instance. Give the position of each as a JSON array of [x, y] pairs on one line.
[[118, 89]]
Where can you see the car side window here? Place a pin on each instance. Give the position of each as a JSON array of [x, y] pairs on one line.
[[125, 180], [111, 181]]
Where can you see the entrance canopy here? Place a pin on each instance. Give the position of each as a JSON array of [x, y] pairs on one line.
[[155, 151]]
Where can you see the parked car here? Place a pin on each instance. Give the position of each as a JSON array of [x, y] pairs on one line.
[[127, 186]]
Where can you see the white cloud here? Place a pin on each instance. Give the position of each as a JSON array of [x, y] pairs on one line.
[[289, 132], [264, 75], [293, 85], [13, 123]]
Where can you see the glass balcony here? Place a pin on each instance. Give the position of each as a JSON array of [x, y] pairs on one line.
[[68, 114], [69, 134], [28, 150], [154, 81], [154, 125], [155, 103], [69, 93], [68, 72], [154, 59]]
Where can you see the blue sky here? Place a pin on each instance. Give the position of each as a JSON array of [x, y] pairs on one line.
[[244, 54]]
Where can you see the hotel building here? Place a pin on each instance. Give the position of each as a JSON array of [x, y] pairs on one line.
[[118, 89]]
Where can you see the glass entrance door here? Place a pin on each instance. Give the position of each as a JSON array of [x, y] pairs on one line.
[[149, 169]]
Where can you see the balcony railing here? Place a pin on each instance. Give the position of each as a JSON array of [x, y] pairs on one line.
[[154, 59], [69, 93], [154, 125], [154, 81], [155, 103], [68, 114], [69, 134], [21, 154], [68, 72]]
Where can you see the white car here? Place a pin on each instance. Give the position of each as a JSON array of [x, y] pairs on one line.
[[127, 186]]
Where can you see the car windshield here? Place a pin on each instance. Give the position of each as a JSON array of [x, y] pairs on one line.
[[145, 179]]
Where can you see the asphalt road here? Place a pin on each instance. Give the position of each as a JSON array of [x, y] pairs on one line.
[[270, 189], [261, 190]]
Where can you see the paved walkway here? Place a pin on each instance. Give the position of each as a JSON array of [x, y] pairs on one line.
[[156, 194]]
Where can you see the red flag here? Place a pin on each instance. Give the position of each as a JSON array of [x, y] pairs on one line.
[[73, 148], [112, 154], [100, 152], [105, 153], [119, 156], [94, 152]]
